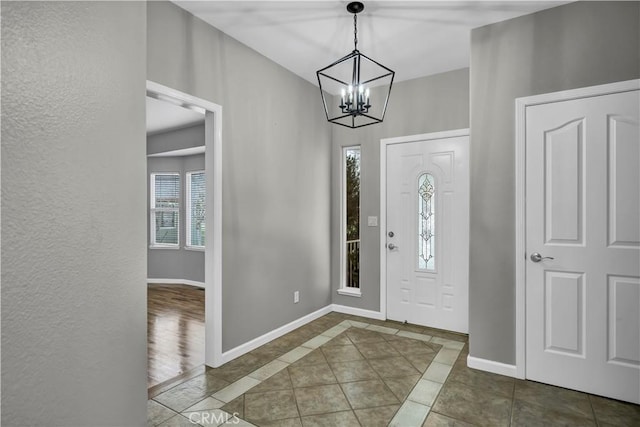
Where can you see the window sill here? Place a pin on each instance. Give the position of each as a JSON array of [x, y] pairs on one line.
[[351, 292], [175, 248], [194, 248]]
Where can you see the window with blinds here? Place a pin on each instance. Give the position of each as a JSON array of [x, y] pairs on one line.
[[196, 209], [165, 209]]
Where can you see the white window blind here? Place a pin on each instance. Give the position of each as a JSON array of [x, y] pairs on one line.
[[196, 211], [165, 209]]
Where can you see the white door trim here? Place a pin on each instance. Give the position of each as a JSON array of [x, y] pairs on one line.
[[383, 198], [521, 107], [213, 221]]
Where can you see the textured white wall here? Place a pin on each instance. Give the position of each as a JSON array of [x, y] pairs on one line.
[[73, 214]]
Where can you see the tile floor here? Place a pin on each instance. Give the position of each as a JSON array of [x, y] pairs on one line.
[[342, 370]]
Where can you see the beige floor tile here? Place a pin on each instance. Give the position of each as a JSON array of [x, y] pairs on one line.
[[495, 383], [425, 392], [368, 394], [334, 331], [321, 399], [447, 356], [206, 404], [268, 370], [190, 392], [311, 375], [410, 414], [235, 407], [355, 370], [334, 419], [438, 420], [316, 341], [613, 412], [454, 345], [235, 389], [291, 422], [270, 406], [314, 358], [527, 414], [357, 324], [280, 381], [402, 386], [437, 372], [295, 354], [342, 353], [383, 329], [393, 367], [554, 398], [179, 421], [414, 335], [376, 350], [157, 413], [376, 417], [473, 405]]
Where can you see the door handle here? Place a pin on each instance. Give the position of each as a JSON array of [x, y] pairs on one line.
[[536, 257], [391, 246]]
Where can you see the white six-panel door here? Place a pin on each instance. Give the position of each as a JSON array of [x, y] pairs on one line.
[[583, 213], [427, 233]]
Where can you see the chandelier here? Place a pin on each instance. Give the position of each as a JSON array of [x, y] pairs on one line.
[[355, 89]]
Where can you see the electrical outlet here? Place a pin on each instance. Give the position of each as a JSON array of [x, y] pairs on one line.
[[296, 297]]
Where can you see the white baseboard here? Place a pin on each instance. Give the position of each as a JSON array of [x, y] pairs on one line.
[[492, 366], [176, 282], [357, 311], [276, 333]]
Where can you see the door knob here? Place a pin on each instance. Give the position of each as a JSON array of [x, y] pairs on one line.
[[536, 257], [391, 246]]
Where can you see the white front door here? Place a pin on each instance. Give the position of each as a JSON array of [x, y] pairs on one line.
[[583, 220], [427, 233]]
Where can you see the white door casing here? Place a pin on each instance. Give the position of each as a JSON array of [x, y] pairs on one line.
[[213, 246], [582, 187], [435, 292]]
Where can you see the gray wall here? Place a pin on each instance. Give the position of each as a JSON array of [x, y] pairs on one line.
[[179, 264], [73, 215], [428, 104], [576, 45], [177, 139], [276, 167]]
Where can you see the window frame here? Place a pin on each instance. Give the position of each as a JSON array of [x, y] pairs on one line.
[[187, 202], [153, 210], [343, 289]]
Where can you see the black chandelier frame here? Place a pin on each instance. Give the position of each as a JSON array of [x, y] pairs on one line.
[[357, 105]]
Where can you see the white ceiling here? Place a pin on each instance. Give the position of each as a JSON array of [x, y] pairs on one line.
[[413, 38], [163, 115]]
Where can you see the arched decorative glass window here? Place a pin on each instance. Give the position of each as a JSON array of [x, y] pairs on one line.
[[426, 222]]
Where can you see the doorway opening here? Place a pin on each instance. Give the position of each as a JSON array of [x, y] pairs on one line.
[[184, 227]]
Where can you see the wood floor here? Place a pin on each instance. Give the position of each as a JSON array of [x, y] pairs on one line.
[[175, 331]]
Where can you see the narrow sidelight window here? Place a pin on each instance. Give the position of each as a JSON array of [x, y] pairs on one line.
[[195, 209], [351, 219], [165, 209]]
